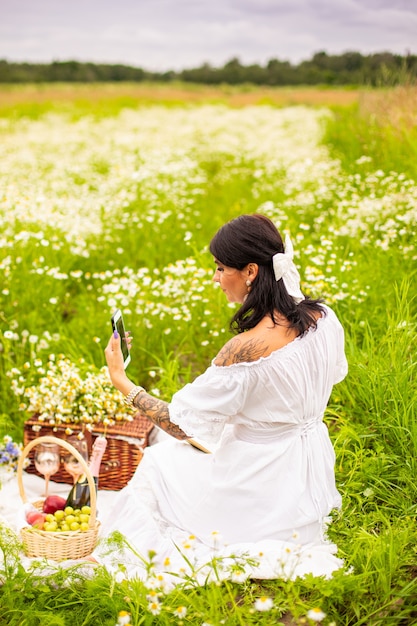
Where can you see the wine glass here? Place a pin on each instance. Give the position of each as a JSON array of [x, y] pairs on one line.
[[71, 464], [47, 460]]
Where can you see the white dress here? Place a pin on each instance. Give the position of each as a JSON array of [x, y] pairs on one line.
[[259, 502]]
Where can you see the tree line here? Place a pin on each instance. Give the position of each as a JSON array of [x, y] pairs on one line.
[[349, 68]]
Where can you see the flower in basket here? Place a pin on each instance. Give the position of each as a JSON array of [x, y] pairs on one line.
[[10, 452], [66, 393]]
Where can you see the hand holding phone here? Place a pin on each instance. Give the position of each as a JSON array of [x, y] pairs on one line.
[[117, 324]]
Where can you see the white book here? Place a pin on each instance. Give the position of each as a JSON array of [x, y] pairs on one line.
[[201, 445]]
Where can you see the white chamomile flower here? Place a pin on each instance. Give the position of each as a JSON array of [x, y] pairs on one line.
[[238, 576], [123, 618], [180, 611], [264, 603], [154, 607], [316, 614], [216, 538]]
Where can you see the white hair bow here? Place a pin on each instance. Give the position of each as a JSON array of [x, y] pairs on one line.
[[284, 268]]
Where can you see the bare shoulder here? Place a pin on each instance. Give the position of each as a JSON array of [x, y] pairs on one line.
[[258, 342], [242, 349]]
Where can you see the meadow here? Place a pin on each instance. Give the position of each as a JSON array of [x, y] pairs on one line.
[[109, 196]]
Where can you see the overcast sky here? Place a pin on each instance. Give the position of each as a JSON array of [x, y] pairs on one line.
[[159, 35]]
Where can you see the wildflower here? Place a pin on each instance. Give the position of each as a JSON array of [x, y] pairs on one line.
[[123, 618], [264, 603], [189, 544], [153, 595], [10, 452], [216, 538], [316, 614], [66, 393], [154, 607], [157, 581], [180, 611], [363, 159], [238, 575]]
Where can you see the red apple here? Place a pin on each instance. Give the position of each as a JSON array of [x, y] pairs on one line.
[[36, 519], [54, 503]]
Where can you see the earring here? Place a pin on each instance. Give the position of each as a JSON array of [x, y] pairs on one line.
[[248, 283]]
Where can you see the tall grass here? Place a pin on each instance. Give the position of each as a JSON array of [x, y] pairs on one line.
[[158, 182], [34, 100], [381, 125]]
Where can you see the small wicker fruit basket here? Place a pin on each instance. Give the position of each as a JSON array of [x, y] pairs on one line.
[[63, 545]]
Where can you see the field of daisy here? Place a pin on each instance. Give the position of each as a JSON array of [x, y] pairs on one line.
[[108, 198]]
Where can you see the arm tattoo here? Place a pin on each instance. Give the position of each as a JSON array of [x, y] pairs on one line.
[[238, 351], [157, 411]]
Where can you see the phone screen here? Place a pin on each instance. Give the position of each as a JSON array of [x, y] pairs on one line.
[[117, 324]]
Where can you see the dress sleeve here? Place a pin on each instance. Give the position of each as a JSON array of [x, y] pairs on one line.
[[202, 408]]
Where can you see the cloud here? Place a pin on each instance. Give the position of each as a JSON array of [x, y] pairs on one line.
[[175, 34]]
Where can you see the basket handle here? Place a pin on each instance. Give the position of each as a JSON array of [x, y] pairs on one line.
[[75, 453]]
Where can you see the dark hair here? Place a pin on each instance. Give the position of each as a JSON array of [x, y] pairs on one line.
[[255, 239]]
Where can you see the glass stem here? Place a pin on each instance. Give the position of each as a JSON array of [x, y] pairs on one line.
[[46, 485]]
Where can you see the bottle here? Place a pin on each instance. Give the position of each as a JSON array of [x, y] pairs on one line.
[[79, 495]]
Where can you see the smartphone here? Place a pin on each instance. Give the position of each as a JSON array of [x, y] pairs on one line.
[[117, 324]]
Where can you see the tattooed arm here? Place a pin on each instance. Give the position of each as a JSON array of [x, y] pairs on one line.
[[157, 411], [153, 408]]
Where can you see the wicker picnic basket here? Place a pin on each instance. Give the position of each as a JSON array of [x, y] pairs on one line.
[[126, 442], [58, 546]]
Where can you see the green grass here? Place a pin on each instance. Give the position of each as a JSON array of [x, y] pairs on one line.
[[158, 182], [382, 126], [108, 99]]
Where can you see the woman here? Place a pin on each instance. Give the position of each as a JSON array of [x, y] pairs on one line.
[[268, 486]]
